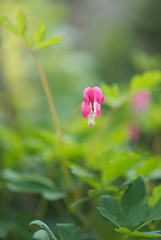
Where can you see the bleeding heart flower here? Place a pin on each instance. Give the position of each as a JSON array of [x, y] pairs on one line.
[[140, 101], [91, 107]]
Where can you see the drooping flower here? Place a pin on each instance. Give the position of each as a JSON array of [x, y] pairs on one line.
[[140, 101], [91, 106]]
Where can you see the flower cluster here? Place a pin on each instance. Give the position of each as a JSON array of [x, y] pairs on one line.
[[91, 106]]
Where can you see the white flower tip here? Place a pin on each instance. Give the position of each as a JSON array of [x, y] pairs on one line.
[[91, 122]]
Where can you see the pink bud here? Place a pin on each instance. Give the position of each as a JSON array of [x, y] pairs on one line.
[[140, 101]]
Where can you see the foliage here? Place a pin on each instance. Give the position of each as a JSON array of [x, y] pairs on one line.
[[65, 171]]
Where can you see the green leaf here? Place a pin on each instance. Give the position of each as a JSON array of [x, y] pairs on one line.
[[156, 195], [41, 31], [49, 42], [53, 195], [31, 183], [38, 36], [123, 231], [133, 209], [113, 96], [127, 232], [67, 232], [155, 213], [21, 23], [110, 210], [3, 229], [8, 24], [85, 175], [41, 235], [147, 80], [147, 234], [118, 164], [81, 200], [44, 227]]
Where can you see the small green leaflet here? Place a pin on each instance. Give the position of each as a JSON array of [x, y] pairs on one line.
[[21, 23], [66, 231], [38, 36], [49, 42], [8, 24], [41, 235]]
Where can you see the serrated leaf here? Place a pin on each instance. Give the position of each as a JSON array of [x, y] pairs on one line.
[[155, 213], [41, 235], [44, 227], [110, 210], [21, 23], [49, 42], [8, 24], [147, 80], [67, 232]]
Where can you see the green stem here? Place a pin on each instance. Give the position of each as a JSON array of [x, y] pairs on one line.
[[42, 206], [142, 225], [54, 116], [98, 136]]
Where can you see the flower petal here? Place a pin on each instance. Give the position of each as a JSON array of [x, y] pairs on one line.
[[98, 110], [88, 95], [85, 109], [97, 94]]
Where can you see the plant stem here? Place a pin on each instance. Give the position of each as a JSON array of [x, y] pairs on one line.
[[98, 137], [55, 119], [42, 206], [142, 225], [48, 95], [54, 116]]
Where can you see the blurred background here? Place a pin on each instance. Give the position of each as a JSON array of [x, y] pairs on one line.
[[105, 41]]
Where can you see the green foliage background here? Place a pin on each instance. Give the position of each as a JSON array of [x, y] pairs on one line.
[[119, 53]]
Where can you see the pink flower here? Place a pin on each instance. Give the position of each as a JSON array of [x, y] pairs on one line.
[[133, 132], [91, 107], [140, 101]]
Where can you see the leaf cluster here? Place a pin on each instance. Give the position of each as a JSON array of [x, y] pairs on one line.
[[36, 41], [132, 212]]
